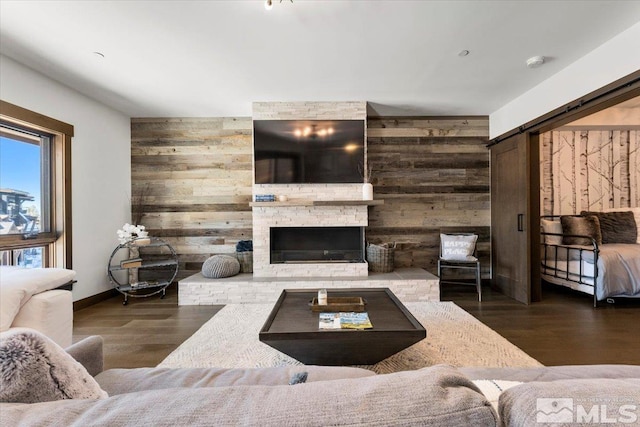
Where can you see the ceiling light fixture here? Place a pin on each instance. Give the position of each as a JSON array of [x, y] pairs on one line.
[[535, 61], [312, 132], [350, 147], [268, 4]]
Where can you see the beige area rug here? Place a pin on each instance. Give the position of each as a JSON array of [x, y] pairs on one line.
[[454, 337]]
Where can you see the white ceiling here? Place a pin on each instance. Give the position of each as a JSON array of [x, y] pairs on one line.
[[214, 58]]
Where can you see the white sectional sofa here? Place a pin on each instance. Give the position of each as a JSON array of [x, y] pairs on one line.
[[29, 299]]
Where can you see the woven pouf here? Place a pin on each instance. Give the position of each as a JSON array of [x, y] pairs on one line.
[[219, 266]]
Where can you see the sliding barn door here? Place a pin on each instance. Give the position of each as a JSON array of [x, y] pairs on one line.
[[515, 202]]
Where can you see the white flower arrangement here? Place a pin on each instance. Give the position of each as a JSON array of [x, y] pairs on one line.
[[131, 232]]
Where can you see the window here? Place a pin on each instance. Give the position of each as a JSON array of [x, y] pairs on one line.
[[28, 257], [35, 193]]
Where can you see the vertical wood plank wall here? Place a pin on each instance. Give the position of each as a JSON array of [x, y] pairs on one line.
[[434, 177], [193, 177]]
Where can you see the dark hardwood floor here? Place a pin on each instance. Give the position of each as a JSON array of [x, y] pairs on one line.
[[142, 333], [562, 329]]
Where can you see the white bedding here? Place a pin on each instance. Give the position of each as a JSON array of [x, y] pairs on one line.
[[18, 285], [618, 271], [573, 268]]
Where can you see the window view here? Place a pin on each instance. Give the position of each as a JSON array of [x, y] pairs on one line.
[[24, 192], [29, 258], [35, 189], [20, 186]]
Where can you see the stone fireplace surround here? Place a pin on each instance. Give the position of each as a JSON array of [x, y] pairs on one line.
[[306, 205], [300, 211]]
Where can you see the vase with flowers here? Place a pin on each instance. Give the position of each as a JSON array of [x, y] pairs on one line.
[[133, 236]]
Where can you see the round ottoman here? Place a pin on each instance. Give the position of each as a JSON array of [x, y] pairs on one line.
[[219, 266]]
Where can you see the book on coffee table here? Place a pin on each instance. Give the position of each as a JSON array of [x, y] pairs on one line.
[[329, 321], [354, 320], [344, 320]]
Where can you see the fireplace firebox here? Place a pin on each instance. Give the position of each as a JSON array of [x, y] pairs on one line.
[[317, 244]]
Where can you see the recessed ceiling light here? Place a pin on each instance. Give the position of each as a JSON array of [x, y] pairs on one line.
[[268, 4], [100, 54], [463, 53], [535, 61]]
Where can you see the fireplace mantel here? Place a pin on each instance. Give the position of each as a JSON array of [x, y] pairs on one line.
[[376, 202]]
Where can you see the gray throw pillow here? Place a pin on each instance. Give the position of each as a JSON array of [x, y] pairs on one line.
[[458, 247], [616, 227], [581, 226], [35, 369], [219, 266]]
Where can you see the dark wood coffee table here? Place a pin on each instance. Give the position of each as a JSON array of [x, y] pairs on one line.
[[292, 328]]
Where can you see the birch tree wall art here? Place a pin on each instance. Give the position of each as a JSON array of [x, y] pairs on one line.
[[589, 170]]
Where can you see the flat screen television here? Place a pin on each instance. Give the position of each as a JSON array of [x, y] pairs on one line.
[[308, 151]]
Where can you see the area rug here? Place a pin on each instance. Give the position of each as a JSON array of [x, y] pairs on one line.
[[454, 337]]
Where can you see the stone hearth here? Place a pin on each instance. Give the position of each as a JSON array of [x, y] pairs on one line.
[[408, 284]]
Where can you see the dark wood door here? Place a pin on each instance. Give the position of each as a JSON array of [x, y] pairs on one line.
[[511, 222]]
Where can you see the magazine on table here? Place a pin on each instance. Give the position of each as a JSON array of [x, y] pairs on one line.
[[344, 320]]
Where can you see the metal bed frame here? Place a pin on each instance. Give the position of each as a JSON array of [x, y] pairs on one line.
[[572, 253]]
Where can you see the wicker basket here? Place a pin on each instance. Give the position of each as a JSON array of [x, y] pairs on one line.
[[246, 261], [380, 257]]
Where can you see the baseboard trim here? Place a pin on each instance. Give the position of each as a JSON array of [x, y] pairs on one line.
[[94, 299]]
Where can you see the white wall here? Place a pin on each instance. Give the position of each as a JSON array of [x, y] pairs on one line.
[[101, 166], [613, 60]]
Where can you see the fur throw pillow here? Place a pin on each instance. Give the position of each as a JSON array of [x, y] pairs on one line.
[[580, 226], [35, 369], [616, 227]]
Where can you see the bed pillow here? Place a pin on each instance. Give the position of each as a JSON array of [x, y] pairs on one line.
[[636, 214], [550, 251], [583, 226], [616, 227], [551, 226], [456, 247], [35, 369]]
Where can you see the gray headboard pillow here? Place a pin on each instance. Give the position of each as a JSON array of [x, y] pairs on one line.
[[616, 227], [583, 226]]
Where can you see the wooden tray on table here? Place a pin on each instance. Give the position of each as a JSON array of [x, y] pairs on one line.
[[337, 304]]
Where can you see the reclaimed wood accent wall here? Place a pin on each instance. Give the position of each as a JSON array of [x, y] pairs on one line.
[[433, 174], [191, 184]]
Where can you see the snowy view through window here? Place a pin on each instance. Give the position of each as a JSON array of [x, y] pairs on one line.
[[20, 195]]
